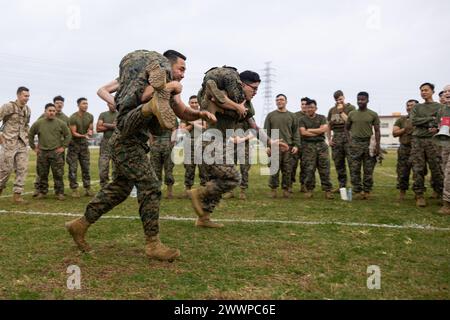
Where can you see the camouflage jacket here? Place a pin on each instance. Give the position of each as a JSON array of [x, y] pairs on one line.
[[15, 121]]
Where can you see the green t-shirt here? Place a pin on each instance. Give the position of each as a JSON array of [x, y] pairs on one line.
[[161, 135], [61, 116], [287, 124], [52, 134], [425, 116], [108, 117], [82, 123], [362, 123], [335, 121], [405, 123], [313, 123]]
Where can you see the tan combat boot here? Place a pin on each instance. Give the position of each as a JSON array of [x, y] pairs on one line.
[[366, 195], [156, 76], [17, 199], [273, 194], [361, 196], [228, 195], [445, 210], [77, 229], [303, 189], [36, 193], [286, 194], [159, 106], [205, 222], [88, 192], [187, 192], [242, 195], [60, 197], [197, 196], [420, 201], [308, 194], [402, 195], [40, 196], [435, 196], [154, 249], [75, 193], [169, 192], [329, 195]]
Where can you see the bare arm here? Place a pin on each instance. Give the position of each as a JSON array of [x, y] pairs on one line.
[[105, 92], [188, 114], [398, 132], [307, 133], [75, 134]]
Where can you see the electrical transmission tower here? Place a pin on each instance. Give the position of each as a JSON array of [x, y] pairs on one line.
[[268, 93]]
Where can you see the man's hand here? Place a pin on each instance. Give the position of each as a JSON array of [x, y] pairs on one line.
[[60, 150], [377, 150], [332, 143], [242, 110], [37, 150], [208, 116], [283, 146], [174, 87], [269, 152], [294, 150], [433, 130]]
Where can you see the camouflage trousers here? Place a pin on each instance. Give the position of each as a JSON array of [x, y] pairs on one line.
[[189, 175], [133, 168], [296, 163], [104, 162], [242, 159], [13, 157], [222, 178], [79, 152], [360, 159], [161, 159], [446, 169], [285, 167], [404, 167], [423, 151], [45, 161], [37, 182], [316, 156], [341, 157]]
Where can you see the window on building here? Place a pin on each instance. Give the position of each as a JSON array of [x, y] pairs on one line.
[[385, 125], [385, 135]]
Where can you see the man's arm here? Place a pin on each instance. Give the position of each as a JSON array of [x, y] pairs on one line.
[[31, 134], [67, 137], [420, 121], [75, 134], [106, 91], [102, 126], [378, 139], [188, 114]]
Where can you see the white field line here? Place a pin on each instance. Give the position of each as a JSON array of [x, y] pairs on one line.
[[410, 226], [93, 183]]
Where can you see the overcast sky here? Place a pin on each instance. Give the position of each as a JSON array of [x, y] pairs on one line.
[[71, 47]]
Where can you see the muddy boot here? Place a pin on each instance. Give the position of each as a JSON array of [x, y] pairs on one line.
[[303, 189], [60, 197], [287, 194], [420, 201], [242, 195], [435, 196], [329, 195], [159, 106], [205, 222], [445, 210], [17, 199], [197, 196], [156, 76], [402, 195], [228, 195], [36, 193], [366, 195], [169, 192], [154, 249], [88, 193], [75, 193], [360, 196], [40, 196], [273, 194], [77, 229], [308, 194]]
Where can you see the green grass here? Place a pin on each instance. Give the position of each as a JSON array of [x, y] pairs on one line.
[[242, 261]]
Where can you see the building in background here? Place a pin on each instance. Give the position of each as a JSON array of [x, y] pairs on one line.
[[386, 128]]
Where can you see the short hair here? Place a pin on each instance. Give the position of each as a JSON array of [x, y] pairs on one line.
[[428, 84], [22, 89], [250, 77], [441, 94], [338, 94], [312, 101], [363, 94], [49, 105], [173, 56], [80, 100], [281, 95], [193, 97], [58, 98], [412, 100], [305, 99]]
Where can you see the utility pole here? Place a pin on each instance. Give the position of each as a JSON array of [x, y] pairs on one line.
[[268, 93]]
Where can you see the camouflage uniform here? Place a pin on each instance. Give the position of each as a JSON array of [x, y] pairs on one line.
[[242, 154], [105, 158], [129, 146], [315, 154], [340, 150], [445, 112], [161, 156], [404, 165], [190, 163], [297, 158], [423, 117], [14, 152], [223, 178], [78, 151]]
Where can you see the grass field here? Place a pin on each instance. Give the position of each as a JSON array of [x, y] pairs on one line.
[[255, 257]]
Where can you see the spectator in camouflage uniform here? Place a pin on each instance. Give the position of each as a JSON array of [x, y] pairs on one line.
[[445, 112], [403, 129], [15, 119], [337, 118], [287, 124], [161, 146], [81, 126], [424, 117], [297, 158], [315, 150], [54, 137], [148, 84], [362, 123], [194, 130], [58, 101], [107, 124]]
